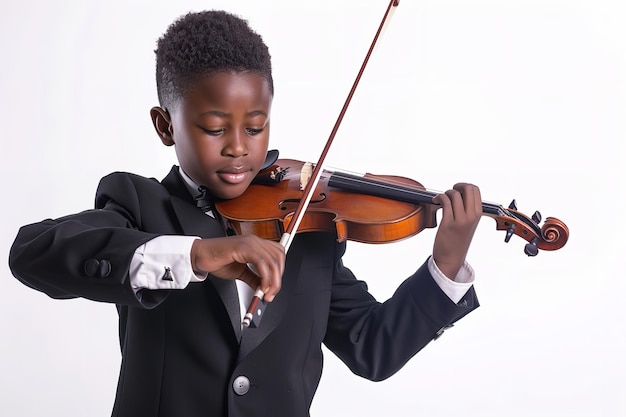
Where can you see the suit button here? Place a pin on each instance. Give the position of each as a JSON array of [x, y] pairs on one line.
[[91, 267], [104, 270], [241, 385], [97, 269]]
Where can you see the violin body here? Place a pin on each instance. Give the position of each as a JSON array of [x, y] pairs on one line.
[[267, 208]]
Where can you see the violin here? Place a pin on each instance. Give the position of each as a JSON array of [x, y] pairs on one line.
[[364, 208]]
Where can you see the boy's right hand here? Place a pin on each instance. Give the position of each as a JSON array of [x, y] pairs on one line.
[[228, 258]]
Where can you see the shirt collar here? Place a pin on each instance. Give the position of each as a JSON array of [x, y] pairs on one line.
[[191, 185]]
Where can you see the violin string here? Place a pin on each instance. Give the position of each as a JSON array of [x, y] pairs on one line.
[[391, 184], [398, 185], [424, 193]]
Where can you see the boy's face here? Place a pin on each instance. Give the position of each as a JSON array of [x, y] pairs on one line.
[[220, 130]]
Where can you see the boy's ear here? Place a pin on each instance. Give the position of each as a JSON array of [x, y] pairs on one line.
[[163, 125]]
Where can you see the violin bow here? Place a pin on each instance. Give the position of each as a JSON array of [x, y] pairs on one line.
[[254, 310]]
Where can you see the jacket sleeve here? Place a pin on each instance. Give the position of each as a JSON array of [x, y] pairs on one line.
[[376, 339], [85, 254]]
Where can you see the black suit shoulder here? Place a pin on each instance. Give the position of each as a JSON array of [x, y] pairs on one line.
[[131, 194]]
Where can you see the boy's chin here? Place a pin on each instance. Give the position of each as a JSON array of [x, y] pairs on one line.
[[231, 193]]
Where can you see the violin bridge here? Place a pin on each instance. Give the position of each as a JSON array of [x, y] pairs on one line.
[[305, 174]]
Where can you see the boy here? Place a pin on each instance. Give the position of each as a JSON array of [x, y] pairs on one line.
[[181, 285]]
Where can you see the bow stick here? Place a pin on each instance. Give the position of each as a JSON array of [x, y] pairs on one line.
[[254, 312]]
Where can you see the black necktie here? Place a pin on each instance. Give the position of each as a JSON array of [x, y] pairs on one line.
[[204, 201]]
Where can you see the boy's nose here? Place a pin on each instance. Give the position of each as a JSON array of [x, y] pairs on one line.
[[236, 145]]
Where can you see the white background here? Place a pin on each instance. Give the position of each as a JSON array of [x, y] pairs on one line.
[[525, 98]]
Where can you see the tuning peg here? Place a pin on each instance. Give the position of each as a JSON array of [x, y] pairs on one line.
[[509, 232], [536, 217], [513, 205], [531, 248]]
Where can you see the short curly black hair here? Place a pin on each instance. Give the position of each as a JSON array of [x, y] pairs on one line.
[[203, 43]]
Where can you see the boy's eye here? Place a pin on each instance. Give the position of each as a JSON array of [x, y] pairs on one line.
[[217, 132], [252, 131], [214, 132]]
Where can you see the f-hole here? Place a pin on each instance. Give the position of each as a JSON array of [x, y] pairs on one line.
[[283, 204]]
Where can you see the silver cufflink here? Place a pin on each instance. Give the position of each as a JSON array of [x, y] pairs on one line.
[[167, 276]]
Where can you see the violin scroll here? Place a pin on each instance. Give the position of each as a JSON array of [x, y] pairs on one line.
[[552, 235]]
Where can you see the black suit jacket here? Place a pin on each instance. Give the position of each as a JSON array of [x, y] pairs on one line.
[[183, 351]]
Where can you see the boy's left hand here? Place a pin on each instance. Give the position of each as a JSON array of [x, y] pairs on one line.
[[462, 210]]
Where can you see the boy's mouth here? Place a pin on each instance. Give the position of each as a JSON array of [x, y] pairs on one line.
[[234, 175]]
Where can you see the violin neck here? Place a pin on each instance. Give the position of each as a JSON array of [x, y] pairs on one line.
[[393, 191]]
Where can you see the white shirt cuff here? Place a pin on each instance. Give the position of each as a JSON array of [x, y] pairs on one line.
[[163, 263], [454, 289]]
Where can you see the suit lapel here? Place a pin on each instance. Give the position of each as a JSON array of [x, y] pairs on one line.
[[253, 336], [228, 293], [191, 219], [276, 310]]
